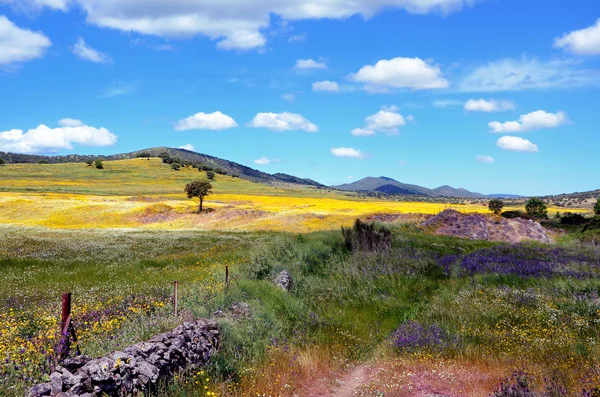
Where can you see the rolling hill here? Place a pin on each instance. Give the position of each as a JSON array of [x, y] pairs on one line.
[[182, 155]]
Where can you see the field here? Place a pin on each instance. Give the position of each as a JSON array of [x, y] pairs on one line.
[[428, 314]]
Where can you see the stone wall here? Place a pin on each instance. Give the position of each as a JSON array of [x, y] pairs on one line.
[[139, 368]]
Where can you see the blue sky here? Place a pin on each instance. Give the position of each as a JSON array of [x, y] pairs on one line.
[[496, 96]]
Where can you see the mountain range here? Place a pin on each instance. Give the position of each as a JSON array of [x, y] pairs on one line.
[[387, 185]]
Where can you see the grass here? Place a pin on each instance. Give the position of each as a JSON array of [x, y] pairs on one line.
[[148, 194]]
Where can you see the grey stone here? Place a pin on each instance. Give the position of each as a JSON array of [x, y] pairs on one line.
[[41, 390], [240, 309], [284, 280]]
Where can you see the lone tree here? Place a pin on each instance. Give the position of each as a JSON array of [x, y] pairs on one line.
[[198, 189], [597, 207], [1, 161], [496, 205], [210, 175], [99, 164], [536, 208]]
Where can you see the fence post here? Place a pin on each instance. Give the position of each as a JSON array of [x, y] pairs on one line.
[[175, 285], [227, 275]]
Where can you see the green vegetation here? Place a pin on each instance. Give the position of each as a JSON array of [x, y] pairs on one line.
[[496, 205], [536, 208], [1, 161], [98, 164], [210, 175], [597, 207], [199, 189]]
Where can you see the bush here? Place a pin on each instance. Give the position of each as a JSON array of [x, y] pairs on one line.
[[597, 207], [2, 161], [496, 205], [176, 166], [210, 175], [42, 162], [536, 208], [99, 164], [515, 214], [89, 163], [143, 154], [570, 218], [367, 237]]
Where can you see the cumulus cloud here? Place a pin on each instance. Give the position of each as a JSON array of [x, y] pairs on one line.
[[484, 159], [531, 121], [233, 23], [35, 5], [262, 161], [581, 42], [410, 73], [348, 152], [206, 121], [282, 122], [328, 86], [492, 105], [516, 144], [307, 64], [19, 45], [527, 74], [386, 120], [189, 147], [83, 51], [44, 139]]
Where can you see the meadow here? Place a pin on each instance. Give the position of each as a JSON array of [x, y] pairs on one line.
[[428, 314]]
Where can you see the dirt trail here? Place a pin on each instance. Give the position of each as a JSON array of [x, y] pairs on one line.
[[350, 381]]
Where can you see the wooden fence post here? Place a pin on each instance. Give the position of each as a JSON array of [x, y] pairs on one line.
[[67, 330], [227, 275], [175, 285]]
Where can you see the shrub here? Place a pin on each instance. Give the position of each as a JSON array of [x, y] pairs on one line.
[[210, 175], [89, 163], [536, 208], [597, 207], [2, 161], [570, 218], [176, 166], [99, 164], [515, 214], [496, 205], [143, 154], [260, 267], [42, 162], [367, 237]]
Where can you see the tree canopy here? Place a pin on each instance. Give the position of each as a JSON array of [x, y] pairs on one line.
[[597, 207], [536, 208], [496, 205], [198, 189]]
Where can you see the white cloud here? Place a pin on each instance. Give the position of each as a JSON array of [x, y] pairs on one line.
[[206, 121], [492, 105], [516, 144], [43, 139], [242, 41], [307, 64], [263, 161], [328, 86], [348, 152], [282, 122], [411, 73], [531, 121], [289, 97], [233, 23], [581, 42], [527, 74], [82, 51], [485, 159], [445, 103], [19, 45], [118, 88], [386, 120], [36, 5], [188, 146], [297, 38]]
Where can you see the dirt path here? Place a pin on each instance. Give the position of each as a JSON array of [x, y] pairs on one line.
[[350, 381]]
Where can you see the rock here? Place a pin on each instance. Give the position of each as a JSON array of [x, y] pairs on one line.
[[240, 309], [284, 281], [140, 367], [44, 389]]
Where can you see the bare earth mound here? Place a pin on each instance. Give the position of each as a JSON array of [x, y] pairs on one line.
[[486, 227]]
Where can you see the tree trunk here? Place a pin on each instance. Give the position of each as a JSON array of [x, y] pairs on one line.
[[200, 207]]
